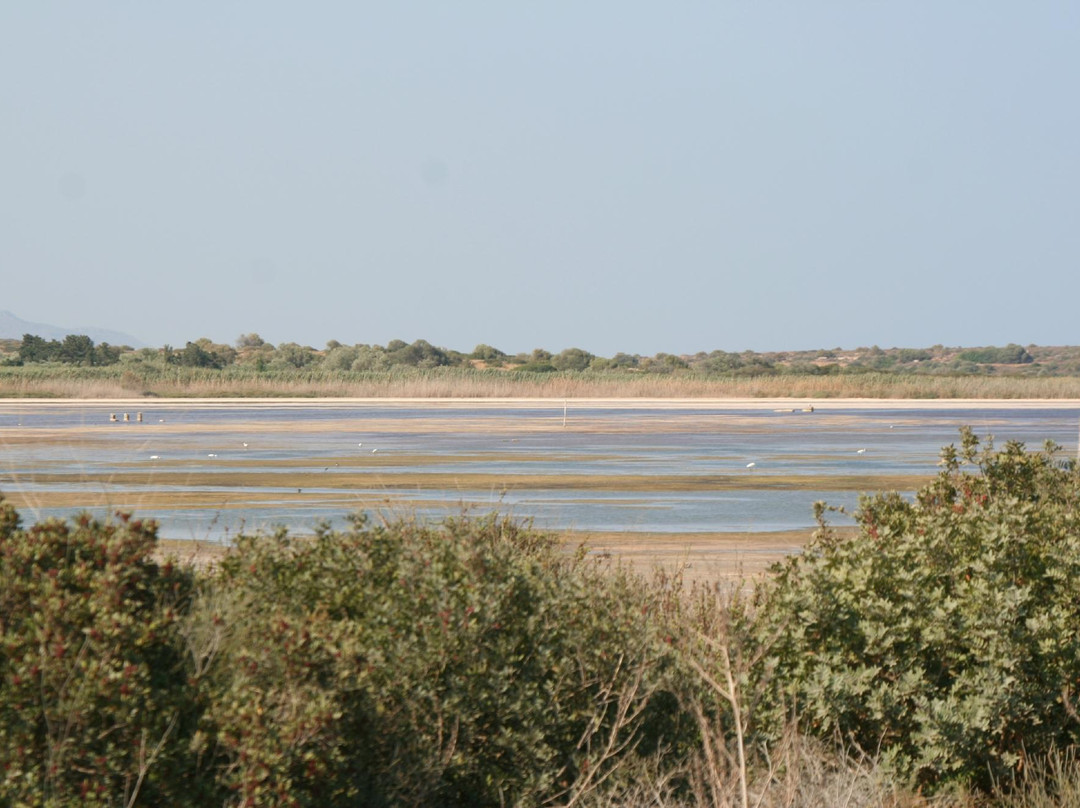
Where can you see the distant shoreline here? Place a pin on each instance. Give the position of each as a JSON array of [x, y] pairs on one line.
[[797, 405]]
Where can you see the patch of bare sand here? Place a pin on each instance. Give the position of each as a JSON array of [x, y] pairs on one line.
[[703, 558], [699, 557]]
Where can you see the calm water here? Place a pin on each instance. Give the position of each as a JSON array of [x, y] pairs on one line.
[[503, 441]]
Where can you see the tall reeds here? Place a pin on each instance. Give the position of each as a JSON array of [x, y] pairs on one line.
[[403, 382]]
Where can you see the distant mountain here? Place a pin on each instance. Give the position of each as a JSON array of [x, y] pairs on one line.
[[11, 327]]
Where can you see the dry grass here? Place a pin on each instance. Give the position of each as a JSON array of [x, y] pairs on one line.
[[114, 383]]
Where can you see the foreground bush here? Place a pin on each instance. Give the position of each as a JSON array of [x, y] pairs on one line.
[[472, 663], [947, 634], [95, 707]]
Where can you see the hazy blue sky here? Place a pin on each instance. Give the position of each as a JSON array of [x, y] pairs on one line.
[[616, 176]]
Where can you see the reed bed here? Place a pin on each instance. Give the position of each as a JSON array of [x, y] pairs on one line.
[[240, 382]]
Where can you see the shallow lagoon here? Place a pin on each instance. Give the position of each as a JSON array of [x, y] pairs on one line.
[[433, 458]]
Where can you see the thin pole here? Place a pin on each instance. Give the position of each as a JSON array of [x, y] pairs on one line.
[[564, 422]]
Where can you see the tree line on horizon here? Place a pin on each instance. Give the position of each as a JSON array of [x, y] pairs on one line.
[[251, 351]]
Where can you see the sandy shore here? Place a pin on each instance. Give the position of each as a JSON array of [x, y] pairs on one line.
[[702, 558], [822, 405]]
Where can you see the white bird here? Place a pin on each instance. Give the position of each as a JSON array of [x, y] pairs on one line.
[[245, 445], [153, 457], [373, 451], [750, 465], [860, 451], [211, 455], [359, 444]]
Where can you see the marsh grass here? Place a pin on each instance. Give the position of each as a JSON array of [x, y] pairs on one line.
[[38, 381]]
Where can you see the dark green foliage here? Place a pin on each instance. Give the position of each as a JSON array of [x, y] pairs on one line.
[[947, 633], [195, 356], [76, 349], [622, 360], [472, 663], [487, 353], [95, 707], [572, 359], [912, 355], [294, 355], [537, 367], [665, 363], [37, 349], [1009, 355], [718, 362], [469, 664], [421, 354]]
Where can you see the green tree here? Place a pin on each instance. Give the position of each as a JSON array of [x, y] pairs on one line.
[[76, 349], [106, 354], [249, 342], [421, 354], [572, 359], [370, 358], [37, 349], [339, 357], [1011, 354], [623, 360], [487, 354], [294, 355], [196, 356]]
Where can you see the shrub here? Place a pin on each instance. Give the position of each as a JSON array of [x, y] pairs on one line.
[[94, 703], [1011, 354], [537, 367], [473, 663], [947, 633], [572, 359]]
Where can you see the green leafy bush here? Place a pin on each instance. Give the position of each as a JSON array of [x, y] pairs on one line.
[[94, 702], [473, 663], [947, 633], [1011, 354]]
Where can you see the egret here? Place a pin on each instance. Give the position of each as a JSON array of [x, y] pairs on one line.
[[211, 455], [360, 444], [245, 445], [373, 451], [860, 451], [153, 457], [750, 465]]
